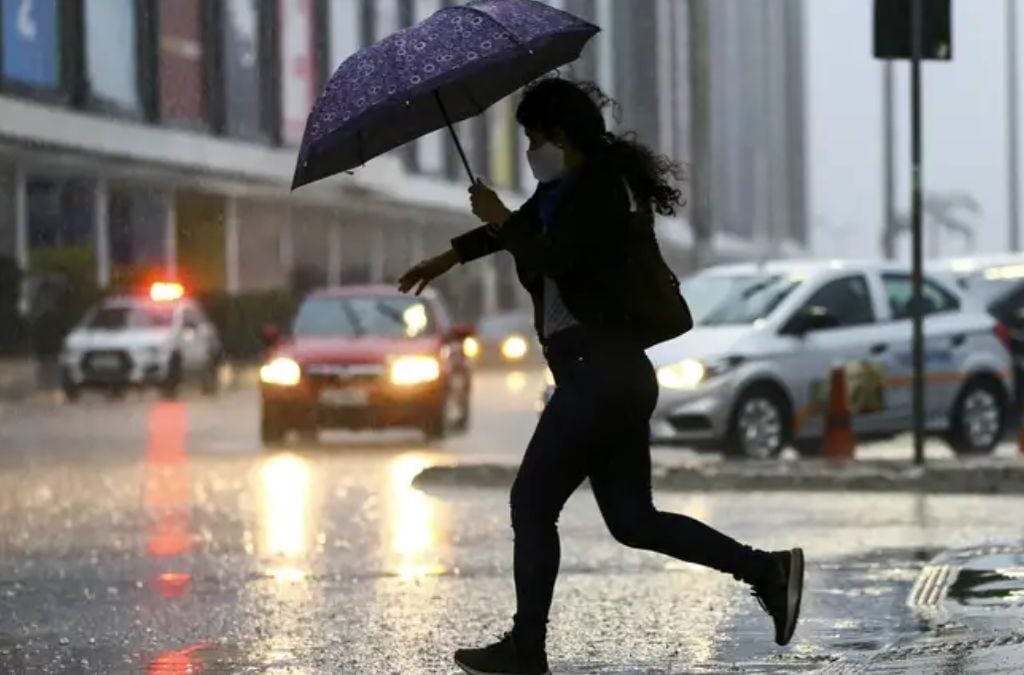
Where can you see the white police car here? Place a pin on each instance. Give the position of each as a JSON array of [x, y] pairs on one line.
[[159, 340], [752, 376]]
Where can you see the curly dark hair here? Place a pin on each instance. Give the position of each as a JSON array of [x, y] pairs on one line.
[[576, 109]]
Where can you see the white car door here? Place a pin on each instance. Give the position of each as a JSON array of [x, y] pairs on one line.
[[945, 337], [851, 343]]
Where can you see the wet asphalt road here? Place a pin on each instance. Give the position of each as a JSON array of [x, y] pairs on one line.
[[144, 536]]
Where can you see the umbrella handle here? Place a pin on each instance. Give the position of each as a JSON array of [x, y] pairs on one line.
[[455, 137]]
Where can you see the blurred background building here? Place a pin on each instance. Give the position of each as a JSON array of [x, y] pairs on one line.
[[141, 134]]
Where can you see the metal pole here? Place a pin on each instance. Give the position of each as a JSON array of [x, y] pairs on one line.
[[916, 190], [888, 163], [1012, 155], [455, 136]]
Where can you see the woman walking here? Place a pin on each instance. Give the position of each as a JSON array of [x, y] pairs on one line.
[[579, 248]]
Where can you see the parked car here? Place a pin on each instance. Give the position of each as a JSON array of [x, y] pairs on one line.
[[366, 357], [505, 340], [752, 377], [995, 284], [980, 278], [157, 339]]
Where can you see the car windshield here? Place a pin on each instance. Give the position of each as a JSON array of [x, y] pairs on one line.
[[127, 317], [358, 316], [721, 300], [504, 324]]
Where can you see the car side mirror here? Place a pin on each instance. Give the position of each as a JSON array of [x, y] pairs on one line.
[[270, 335], [811, 319], [460, 332]]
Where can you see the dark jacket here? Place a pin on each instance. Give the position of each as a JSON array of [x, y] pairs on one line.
[[600, 252]]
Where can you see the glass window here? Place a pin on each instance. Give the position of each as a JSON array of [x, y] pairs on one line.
[[345, 31], [899, 291], [741, 299], [60, 214], [586, 67], [241, 65], [377, 316], [298, 74], [367, 22], [182, 61], [136, 229], [430, 149], [8, 236], [124, 317], [111, 52], [31, 43], [847, 299], [386, 19]]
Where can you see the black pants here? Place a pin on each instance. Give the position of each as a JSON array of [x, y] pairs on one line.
[[596, 426]]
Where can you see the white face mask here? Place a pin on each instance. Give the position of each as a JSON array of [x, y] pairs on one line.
[[547, 162]]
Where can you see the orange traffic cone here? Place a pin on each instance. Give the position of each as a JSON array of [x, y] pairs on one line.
[[838, 441]]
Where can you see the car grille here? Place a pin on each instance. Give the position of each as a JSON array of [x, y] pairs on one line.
[[335, 375], [106, 363]]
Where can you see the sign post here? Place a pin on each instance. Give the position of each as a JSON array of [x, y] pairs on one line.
[[915, 30], [916, 229]]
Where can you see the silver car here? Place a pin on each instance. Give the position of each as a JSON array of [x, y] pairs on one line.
[[752, 377]]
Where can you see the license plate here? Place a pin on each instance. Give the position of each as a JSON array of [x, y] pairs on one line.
[[344, 397], [106, 362]]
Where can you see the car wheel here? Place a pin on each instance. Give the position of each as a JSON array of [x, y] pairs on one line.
[[172, 382], [458, 407], [979, 417], [435, 426], [760, 424], [71, 391], [272, 427]]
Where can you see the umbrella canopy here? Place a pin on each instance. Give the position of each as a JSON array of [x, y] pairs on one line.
[[449, 67]]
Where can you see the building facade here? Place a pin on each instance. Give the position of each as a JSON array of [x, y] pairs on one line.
[[163, 134], [749, 114]]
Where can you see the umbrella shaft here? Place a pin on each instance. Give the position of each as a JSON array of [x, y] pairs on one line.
[[455, 136]]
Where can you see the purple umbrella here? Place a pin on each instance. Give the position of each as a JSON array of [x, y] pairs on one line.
[[445, 69]]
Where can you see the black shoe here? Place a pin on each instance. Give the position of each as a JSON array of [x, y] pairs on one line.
[[780, 593], [504, 657]]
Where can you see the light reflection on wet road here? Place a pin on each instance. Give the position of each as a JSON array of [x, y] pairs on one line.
[[148, 536]]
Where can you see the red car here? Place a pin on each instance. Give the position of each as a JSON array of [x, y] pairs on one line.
[[366, 357]]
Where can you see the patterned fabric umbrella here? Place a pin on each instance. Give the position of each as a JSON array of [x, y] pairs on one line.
[[445, 69]]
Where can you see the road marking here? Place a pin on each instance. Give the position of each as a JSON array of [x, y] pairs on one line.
[[932, 586]]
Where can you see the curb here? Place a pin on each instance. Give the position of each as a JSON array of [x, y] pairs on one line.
[[947, 477]]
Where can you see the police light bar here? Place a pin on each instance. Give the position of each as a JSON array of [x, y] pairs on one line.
[[166, 291]]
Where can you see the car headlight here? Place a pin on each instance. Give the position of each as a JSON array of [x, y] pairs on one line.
[[686, 374], [282, 371], [514, 347], [689, 373], [408, 370], [471, 347]]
